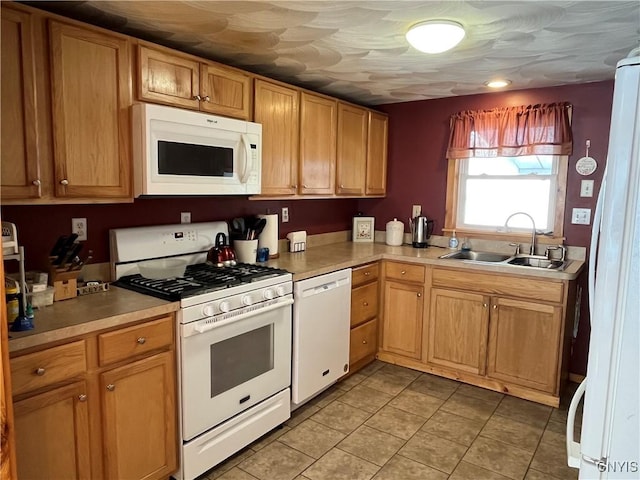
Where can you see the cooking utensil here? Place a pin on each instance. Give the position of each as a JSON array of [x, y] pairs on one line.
[[72, 253], [258, 228], [55, 251], [63, 252]]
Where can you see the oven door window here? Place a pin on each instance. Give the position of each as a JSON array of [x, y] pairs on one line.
[[175, 158], [239, 359]]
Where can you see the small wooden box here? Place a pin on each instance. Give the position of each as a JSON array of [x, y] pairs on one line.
[[65, 284]]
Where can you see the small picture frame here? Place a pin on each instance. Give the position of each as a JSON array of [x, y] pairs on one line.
[[363, 229]]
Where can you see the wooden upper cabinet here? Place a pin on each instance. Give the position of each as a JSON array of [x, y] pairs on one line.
[[20, 163], [183, 81], [352, 150], [317, 144], [91, 95], [224, 91], [377, 145], [277, 108], [167, 78]]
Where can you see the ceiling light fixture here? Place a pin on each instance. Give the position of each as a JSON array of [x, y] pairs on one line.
[[435, 36], [498, 83]]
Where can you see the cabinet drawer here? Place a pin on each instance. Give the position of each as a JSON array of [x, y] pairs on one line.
[[405, 271], [363, 341], [529, 288], [136, 340], [47, 367], [364, 274], [364, 303]]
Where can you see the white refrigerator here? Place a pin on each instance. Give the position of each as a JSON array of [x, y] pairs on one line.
[[609, 445]]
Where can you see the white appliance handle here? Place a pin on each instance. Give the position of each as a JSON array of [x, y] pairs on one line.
[[246, 171], [574, 455], [593, 248], [206, 325]]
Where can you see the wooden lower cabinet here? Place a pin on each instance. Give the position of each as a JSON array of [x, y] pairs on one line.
[[52, 434], [524, 343], [363, 343], [101, 421], [140, 442], [458, 330], [402, 319]]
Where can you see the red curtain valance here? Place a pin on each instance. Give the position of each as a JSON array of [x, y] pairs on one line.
[[511, 131]]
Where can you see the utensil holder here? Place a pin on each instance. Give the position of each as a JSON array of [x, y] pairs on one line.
[[65, 283], [246, 250]]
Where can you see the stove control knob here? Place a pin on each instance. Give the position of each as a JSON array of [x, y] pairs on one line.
[[281, 291], [224, 306], [247, 300], [269, 294], [208, 311]]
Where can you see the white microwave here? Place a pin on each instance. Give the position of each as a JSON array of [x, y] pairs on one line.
[[179, 152]]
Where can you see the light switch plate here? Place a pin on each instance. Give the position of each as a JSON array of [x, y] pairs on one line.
[[586, 188], [581, 216]]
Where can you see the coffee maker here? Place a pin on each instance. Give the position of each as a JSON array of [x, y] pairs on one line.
[[421, 229]]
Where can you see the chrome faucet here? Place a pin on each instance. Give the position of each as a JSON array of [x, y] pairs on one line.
[[532, 250]]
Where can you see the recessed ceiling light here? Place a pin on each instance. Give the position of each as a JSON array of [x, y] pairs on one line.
[[498, 83], [435, 36]]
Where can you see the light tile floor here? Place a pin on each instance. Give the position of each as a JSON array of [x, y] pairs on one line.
[[391, 423]]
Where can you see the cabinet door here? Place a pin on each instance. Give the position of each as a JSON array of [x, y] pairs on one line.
[[276, 108], [225, 91], [351, 162], [458, 329], [524, 341], [52, 434], [376, 183], [169, 79], [317, 144], [402, 319], [20, 169], [91, 92], [139, 418]]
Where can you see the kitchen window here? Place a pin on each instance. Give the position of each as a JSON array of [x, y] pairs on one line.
[[504, 161]]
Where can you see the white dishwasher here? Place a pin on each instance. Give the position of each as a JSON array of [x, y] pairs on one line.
[[321, 324]]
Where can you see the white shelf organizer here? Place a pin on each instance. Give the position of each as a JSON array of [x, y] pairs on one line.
[[12, 251]]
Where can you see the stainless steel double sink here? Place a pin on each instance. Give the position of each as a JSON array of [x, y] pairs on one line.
[[520, 260]]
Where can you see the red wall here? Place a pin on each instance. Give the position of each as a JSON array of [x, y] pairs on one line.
[[39, 225], [417, 171]]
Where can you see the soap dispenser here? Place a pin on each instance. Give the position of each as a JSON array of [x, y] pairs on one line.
[[453, 241]]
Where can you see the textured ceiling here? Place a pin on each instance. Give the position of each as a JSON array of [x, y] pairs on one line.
[[357, 49]]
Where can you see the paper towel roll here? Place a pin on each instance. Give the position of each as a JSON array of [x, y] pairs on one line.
[[269, 236]]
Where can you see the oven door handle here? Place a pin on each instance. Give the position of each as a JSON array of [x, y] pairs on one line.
[[203, 326]]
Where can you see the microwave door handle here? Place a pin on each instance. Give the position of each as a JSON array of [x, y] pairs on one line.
[[247, 158]]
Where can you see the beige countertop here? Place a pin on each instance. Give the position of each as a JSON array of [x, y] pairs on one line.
[[328, 258], [118, 307], [87, 314]]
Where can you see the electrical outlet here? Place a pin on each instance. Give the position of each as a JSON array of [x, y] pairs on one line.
[[79, 227], [185, 217], [285, 214], [581, 216], [586, 188], [416, 210]]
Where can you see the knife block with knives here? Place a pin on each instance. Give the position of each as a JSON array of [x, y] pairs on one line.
[[65, 267]]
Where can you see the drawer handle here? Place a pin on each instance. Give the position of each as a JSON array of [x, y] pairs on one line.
[[141, 340], [419, 295], [111, 387], [403, 272], [82, 398], [364, 342], [40, 371], [366, 304]]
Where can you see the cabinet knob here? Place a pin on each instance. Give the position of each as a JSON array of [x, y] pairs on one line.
[[341, 185], [419, 295], [40, 371], [37, 182], [141, 340], [366, 304], [494, 306], [484, 305], [82, 398], [295, 187], [366, 274], [304, 186], [64, 181], [111, 387], [403, 272], [364, 342], [197, 97], [207, 98]]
